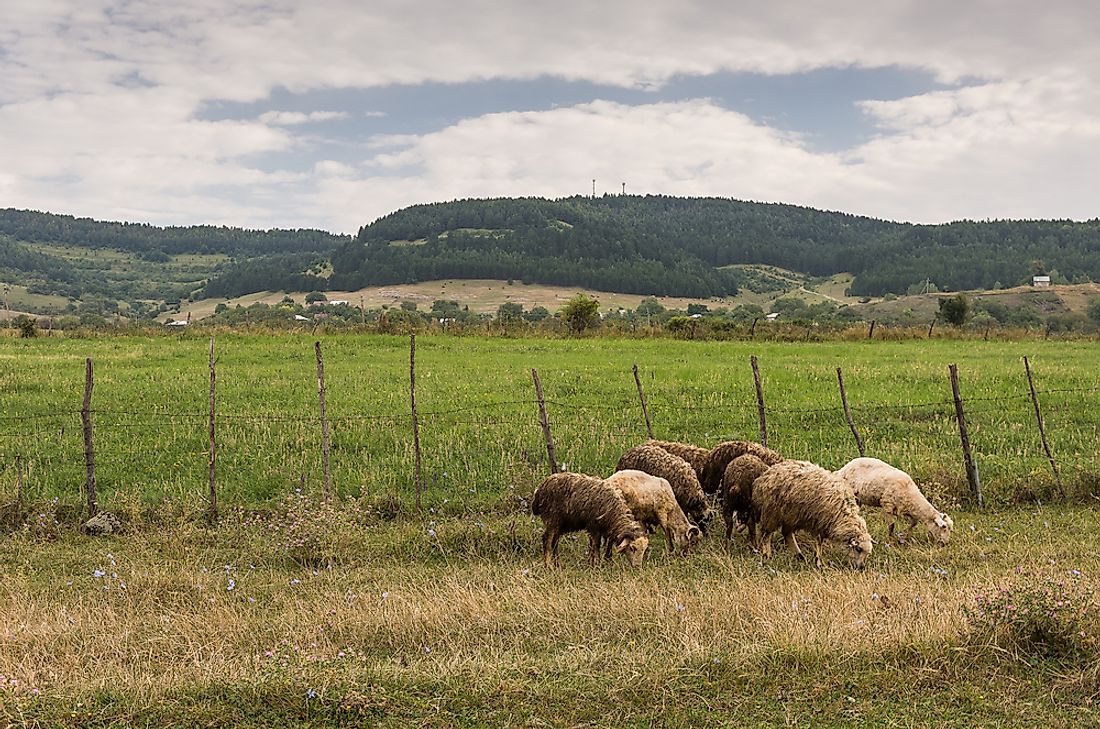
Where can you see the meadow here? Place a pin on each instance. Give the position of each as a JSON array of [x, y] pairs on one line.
[[297, 611]]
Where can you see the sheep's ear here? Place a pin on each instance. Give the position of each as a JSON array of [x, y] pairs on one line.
[[623, 544], [694, 532], [940, 522]]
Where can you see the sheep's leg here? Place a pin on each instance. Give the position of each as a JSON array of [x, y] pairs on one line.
[[905, 534], [554, 549], [593, 549], [549, 547], [792, 543], [765, 545], [729, 518], [608, 548], [818, 562], [751, 526]]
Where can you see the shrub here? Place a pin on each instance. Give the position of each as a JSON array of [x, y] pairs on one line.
[[1037, 616], [317, 532]]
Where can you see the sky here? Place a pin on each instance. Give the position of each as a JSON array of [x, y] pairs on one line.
[[331, 113]]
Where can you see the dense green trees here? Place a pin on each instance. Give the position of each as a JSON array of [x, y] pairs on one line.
[[677, 246]]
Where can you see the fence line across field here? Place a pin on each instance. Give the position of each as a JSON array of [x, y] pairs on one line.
[[645, 412]]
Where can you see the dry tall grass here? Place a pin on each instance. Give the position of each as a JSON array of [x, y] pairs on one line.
[[153, 616]]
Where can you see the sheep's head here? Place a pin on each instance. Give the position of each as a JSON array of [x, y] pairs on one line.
[[858, 547], [940, 528], [633, 546], [690, 538]]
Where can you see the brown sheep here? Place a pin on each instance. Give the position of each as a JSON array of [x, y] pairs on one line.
[[737, 493], [571, 502], [652, 502], [795, 495], [720, 456], [681, 476], [693, 454]]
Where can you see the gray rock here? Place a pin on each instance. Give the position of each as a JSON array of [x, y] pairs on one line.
[[102, 524]]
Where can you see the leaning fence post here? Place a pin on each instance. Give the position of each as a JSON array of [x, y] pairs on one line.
[[641, 396], [848, 413], [759, 401], [964, 437], [415, 421], [545, 421], [89, 450], [871, 330], [931, 325], [1042, 428], [212, 506], [752, 330], [325, 444]]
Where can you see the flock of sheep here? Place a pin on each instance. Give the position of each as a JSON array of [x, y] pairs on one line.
[[665, 485]]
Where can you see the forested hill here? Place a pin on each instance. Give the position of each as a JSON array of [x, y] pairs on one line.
[[150, 240], [678, 246]]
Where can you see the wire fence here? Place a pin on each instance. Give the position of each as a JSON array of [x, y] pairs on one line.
[[492, 451]]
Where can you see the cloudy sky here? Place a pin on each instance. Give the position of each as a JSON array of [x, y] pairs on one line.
[[330, 113]]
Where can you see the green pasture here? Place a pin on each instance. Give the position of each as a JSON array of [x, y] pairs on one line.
[[479, 432]]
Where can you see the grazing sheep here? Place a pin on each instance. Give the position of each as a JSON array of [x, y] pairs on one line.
[[877, 483], [720, 456], [652, 502], [736, 492], [693, 454], [657, 461], [795, 495], [571, 502]]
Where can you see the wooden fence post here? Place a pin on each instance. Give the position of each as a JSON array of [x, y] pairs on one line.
[[89, 450], [752, 331], [415, 421], [545, 421], [871, 330], [641, 396], [325, 444], [848, 413], [759, 401], [964, 437], [1042, 427], [930, 327], [212, 506]]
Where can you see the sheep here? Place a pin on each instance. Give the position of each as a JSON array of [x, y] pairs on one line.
[[696, 456], [736, 492], [720, 456], [571, 502], [794, 495], [653, 502], [678, 472], [877, 483]]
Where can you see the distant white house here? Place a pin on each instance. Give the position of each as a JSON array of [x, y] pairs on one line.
[[772, 316], [1040, 281], [337, 302], [175, 323], [299, 317]]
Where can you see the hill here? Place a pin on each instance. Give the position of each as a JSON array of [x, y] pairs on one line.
[[683, 246], [691, 248], [49, 259]]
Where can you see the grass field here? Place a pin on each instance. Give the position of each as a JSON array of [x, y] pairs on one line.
[[481, 441], [293, 612]]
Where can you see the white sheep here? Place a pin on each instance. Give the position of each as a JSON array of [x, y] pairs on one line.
[[797, 495], [652, 502], [877, 483]]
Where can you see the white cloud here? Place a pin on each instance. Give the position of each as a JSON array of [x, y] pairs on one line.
[[100, 100], [293, 118]]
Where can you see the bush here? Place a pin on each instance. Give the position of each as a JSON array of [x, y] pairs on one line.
[[315, 532], [1037, 616], [27, 325], [580, 313], [955, 310]]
